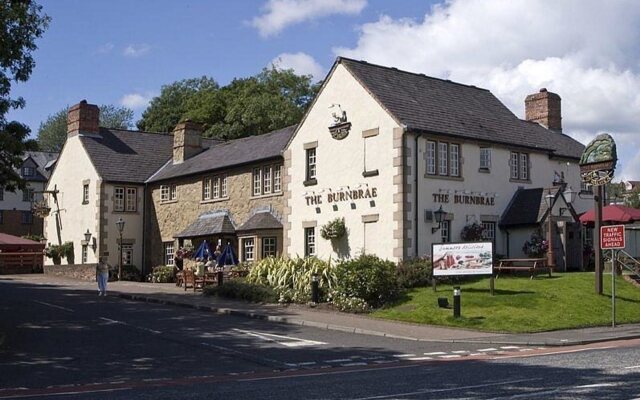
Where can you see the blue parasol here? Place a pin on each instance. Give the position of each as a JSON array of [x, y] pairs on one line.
[[203, 251], [228, 256]]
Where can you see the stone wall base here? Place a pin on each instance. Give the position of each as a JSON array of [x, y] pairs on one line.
[[83, 272]]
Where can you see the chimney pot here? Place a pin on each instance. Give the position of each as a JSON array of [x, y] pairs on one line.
[[543, 90]]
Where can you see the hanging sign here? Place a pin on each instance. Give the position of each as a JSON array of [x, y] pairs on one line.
[[598, 161]]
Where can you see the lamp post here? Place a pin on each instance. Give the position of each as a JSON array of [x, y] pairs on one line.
[[439, 217], [550, 199], [120, 225]]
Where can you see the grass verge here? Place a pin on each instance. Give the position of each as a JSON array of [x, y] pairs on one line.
[[520, 305]]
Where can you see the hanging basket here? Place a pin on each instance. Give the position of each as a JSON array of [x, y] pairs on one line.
[[334, 229], [40, 209]]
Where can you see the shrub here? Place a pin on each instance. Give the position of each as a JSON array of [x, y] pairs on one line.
[[368, 278], [66, 250], [350, 304], [414, 272], [536, 246], [130, 273], [242, 290], [162, 274], [472, 233]]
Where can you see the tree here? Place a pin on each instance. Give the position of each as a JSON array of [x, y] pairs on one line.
[[270, 100], [21, 23], [53, 131]]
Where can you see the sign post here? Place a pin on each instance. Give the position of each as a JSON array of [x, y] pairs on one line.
[[612, 237]]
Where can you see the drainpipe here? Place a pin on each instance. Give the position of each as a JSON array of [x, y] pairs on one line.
[[144, 231], [507, 232], [416, 213]]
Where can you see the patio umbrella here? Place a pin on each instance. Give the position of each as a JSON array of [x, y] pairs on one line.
[[613, 213], [228, 256], [203, 251]]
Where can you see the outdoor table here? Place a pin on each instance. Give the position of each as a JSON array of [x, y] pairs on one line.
[[522, 264]]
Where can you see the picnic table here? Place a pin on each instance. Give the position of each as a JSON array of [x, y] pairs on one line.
[[522, 264]]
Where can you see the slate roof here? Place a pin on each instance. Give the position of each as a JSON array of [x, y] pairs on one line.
[[128, 156], [261, 220], [432, 105], [527, 207], [208, 224], [234, 152], [43, 160]]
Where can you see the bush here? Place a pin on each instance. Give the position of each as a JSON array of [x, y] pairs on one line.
[[368, 278], [350, 304], [472, 233], [162, 274], [241, 290], [415, 272], [130, 273]]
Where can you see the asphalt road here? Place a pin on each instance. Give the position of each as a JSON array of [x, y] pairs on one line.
[[73, 344]]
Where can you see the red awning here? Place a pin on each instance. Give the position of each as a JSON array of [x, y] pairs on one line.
[[613, 214], [9, 243]]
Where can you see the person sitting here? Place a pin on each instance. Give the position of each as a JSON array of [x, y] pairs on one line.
[[210, 265], [199, 269]]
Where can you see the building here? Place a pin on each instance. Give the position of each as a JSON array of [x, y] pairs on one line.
[[16, 216], [384, 149], [231, 192]]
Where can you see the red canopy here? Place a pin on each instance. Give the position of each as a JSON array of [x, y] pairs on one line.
[[613, 214], [9, 243]]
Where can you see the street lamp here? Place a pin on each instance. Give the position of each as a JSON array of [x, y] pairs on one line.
[[549, 198], [120, 225], [439, 217]]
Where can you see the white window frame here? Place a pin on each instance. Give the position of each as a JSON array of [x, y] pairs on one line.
[[206, 189], [269, 246], [257, 181], [223, 186], [85, 254], [489, 231], [131, 199], [524, 166], [309, 242], [169, 253], [443, 158], [215, 186], [118, 198], [127, 254], [431, 157], [173, 192], [485, 158], [514, 165], [445, 231], [311, 163], [28, 171], [249, 249], [85, 193], [164, 193], [277, 179], [454, 160], [519, 166], [266, 179]]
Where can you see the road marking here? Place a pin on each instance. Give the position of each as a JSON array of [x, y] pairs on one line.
[[488, 349], [287, 341], [419, 358], [48, 394], [404, 355], [460, 352], [509, 347], [54, 306], [596, 385], [632, 367], [451, 356], [116, 322], [339, 360], [551, 353], [354, 364], [435, 353]]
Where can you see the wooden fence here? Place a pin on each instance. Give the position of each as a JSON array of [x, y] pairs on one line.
[[21, 262]]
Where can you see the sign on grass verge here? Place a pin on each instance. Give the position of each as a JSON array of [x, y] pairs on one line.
[[470, 258], [612, 237]]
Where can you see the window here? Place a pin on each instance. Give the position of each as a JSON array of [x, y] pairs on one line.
[[168, 253], [445, 231], [277, 179], [28, 171], [27, 218], [311, 164], [173, 193], [85, 193], [216, 187], [266, 180], [132, 199], [127, 254], [309, 242], [118, 199], [168, 192], [223, 188], [85, 253], [206, 189], [257, 181], [27, 195], [485, 158], [248, 249], [489, 232], [443, 159], [519, 166], [268, 247], [584, 187]]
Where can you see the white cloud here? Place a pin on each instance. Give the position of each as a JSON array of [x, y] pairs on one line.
[[282, 13], [137, 101], [136, 50], [586, 51], [301, 63], [105, 48]]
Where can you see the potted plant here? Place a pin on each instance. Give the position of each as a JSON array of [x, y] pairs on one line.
[[334, 229], [53, 251], [472, 233], [536, 246], [66, 250]]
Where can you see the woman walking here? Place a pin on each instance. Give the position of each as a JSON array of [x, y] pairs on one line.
[[102, 276]]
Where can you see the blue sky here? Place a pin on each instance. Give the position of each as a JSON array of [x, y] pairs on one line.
[[122, 52]]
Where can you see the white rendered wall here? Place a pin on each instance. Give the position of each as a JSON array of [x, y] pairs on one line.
[[132, 232]]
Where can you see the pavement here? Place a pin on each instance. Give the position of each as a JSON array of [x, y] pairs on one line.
[[170, 294]]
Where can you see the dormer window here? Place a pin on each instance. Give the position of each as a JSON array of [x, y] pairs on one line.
[[28, 171]]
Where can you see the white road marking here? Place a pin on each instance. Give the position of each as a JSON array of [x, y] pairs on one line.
[[488, 349], [287, 341], [460, 352], [596, 385], [509, 347], [404, 355], [354, 364], [115, 322], [339, 360], [551, 353], [451, 356], [54, 306], [632, 367], [435, 353], [419, 358], [527, 349]]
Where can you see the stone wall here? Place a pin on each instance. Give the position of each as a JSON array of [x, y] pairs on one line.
[[166, 219], [12, 224], [84, 272]]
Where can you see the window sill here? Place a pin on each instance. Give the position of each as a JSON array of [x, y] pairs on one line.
[[85, 202], [168, 201], [484, 170], [208, 201], [368, 174], [263, 196], [310, 182], [520, 180], [125, 212], [445, 177]]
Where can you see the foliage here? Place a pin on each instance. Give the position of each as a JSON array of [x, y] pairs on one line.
[[291, 278], [472, 233], [184, 252], [162, 274], [35, 238], [536, 246], [242, 290], [241, 269], [414, 272], [53, 131], [349, 304], [21, 23], [334, 229], [521, 304], [66, 250], [130, 273], [617, 193], [368, 278], [270, 100], [53, 251]]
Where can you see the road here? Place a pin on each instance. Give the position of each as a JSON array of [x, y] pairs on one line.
[[67, 343]]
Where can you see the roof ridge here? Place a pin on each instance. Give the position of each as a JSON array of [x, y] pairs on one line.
[[134, 131], [418, 74]]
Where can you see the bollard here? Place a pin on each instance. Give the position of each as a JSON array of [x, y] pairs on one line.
[[456, 302], [315, 292], [220, 277]]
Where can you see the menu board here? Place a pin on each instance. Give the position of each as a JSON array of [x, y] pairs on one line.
[[470, 258]]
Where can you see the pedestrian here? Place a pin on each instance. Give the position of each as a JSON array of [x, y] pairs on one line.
[[102, 276]]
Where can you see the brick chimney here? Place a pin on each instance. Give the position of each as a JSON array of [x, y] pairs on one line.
[[187, 141], [83, 118], [544, 108]]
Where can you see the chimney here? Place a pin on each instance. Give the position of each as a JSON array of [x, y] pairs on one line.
[[544, 108], [83, 118], [187, 141]]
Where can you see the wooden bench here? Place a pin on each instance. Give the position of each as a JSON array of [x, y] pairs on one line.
[[191, 280], [522, 264]]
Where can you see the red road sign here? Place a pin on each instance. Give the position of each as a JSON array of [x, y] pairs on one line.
[[612, 237]]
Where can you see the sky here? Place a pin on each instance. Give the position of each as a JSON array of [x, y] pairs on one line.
[[122, 52]]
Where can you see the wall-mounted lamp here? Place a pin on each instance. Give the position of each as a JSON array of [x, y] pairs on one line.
[[88, 240], [438, 216], [87, 236]]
